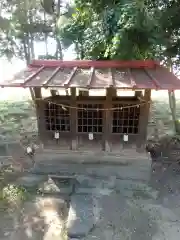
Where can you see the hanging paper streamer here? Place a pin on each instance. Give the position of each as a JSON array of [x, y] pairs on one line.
[[125, 138], [29, 150], [56, 135], [91, 137]]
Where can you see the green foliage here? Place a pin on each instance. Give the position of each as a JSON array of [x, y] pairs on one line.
[[14, 194], [126, 29], [17, 118], [22, 22], [46, 57], [117, 31], [48, 6], [98, 29]]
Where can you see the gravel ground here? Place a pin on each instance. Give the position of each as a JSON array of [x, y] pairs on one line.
[[109, 204]]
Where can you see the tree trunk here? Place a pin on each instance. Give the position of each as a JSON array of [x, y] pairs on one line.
[[172, 105], [81, 49], [32, 46], [59, 54], [26, 49], [30, 35], [46, 36], [28, 60], [46, 43], [77, 50]]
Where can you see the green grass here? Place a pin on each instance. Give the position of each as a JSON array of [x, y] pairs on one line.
[[14, 194], [160, 113], [17, 119]]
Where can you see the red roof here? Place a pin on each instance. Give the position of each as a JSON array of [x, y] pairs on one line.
[[95, 74]]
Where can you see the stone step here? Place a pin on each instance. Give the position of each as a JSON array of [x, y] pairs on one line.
[[95, 191], [122, 172], [31, 180], [44, 216], [81, 217], [124, 157], [58, 185]]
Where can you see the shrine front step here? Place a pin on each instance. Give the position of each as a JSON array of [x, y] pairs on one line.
[[123, 158], [133, 171]]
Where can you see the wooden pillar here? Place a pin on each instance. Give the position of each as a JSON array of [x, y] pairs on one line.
[[73, 119], [39, 104], [53, 92], [138, 94], [143, 120], [107, 125], [83, 93]]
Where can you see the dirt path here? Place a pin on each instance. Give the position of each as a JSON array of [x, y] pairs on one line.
[[121, 202]]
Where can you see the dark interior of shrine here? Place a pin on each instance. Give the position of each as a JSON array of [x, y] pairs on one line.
[[90, 117]]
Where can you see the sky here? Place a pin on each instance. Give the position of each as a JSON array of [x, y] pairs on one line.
[[9, 68]]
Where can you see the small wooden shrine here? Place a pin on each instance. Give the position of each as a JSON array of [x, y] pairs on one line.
[[76, 120]]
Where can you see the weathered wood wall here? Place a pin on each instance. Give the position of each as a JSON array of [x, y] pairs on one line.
[[106, 141]]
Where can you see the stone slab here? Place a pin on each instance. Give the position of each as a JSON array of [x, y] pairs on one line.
[[132, 172], [31, 180], [81, 218], [3, 150], [95, 191], [90, 182], [56, 185], [42, 218], [73, 239], [131, 185], [135, 188]]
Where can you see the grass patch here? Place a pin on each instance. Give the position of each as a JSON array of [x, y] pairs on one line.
[[14, 195], [10, 194], [17, 119]]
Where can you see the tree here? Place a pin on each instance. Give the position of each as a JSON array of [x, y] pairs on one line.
[[126, 29], [24, 22], [56, 10], [25, 26], [122, 30]]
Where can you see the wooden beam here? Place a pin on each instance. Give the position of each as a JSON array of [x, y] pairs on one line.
[[96, 64], [132, 80], [153, 79], [53, 92], [32, 94], [83, 93], [111, 75], [107, 125], [50, 78], [139, 95], [73, 119], [143, 120], [69, 80], [90, 81], [37, 93], [33, 75], [39, 112]]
